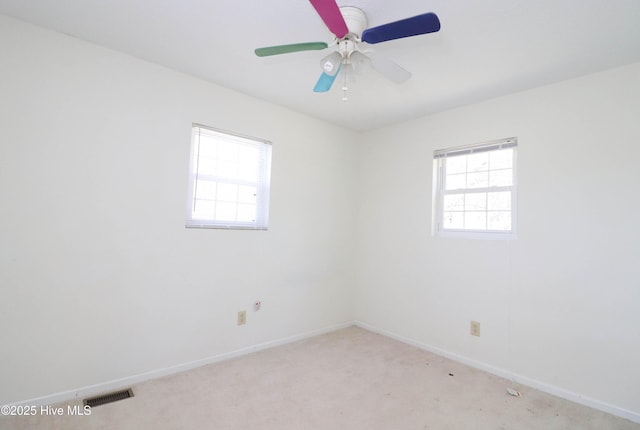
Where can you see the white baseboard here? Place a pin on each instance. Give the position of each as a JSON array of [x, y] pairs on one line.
[[92, 390], [519, 379]]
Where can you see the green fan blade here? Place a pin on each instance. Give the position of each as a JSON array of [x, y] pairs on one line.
[[285, 49]]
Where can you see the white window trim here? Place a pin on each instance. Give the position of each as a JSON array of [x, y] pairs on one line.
[[439, 192], [262, 196]]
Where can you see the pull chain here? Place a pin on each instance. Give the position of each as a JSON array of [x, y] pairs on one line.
[[345, 87]]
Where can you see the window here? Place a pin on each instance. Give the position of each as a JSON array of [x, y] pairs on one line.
[[475, 189], [229, 180]]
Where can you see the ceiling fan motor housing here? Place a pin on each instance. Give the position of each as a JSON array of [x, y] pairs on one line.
[[355, 19]]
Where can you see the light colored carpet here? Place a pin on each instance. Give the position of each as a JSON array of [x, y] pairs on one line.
[[348, 379]]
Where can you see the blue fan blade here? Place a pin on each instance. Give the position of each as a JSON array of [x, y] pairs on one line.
[[325, 82], [421, 24]]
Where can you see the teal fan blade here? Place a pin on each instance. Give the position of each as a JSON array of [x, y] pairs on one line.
[[286, 49], [325, 82]]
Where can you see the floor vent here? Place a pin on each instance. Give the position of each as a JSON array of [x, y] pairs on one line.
[[109, 398]]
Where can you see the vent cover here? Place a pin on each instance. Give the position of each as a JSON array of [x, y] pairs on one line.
[[109, 398]]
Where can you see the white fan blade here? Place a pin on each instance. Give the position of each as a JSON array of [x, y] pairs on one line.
[[359, 60], [390, 69]]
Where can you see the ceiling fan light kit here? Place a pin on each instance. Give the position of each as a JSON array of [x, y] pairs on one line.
[[349, 26], [331, 63]]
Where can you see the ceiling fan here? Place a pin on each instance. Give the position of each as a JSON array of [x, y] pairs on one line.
[[349, 25]]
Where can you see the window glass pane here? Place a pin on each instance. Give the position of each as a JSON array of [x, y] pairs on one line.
[[475, 202], [456, 182], [206, 166], [456, 164], [227, 192], [499, 221], [227, 169], [502, 159], [475, 220], [453, 202], [248, 172], [478, 162], [246, 213], [228, 151], [203, 209], [478, 180], [453, 220], [249, 154], [501, 178], [499, 201], [205, 190], [208, 147], [247, 194], [225, 211]]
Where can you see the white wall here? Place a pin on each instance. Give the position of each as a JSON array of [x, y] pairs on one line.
[[99, 278], [561, 304]]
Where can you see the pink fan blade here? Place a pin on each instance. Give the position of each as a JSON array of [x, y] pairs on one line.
[[331, 15]]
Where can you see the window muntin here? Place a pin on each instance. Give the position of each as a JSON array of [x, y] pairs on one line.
[[229, 180], [475, 189]]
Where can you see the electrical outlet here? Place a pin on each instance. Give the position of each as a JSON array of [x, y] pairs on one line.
[[257, 305], [242, 317], [475, 328]]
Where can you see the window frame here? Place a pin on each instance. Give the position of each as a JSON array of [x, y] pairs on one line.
[[439, 183], [262, 183]]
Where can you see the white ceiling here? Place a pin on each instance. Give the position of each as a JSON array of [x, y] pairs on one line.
[[486, 48]]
